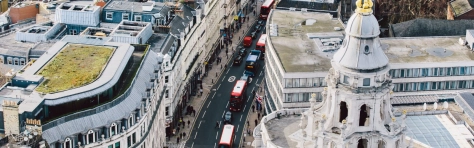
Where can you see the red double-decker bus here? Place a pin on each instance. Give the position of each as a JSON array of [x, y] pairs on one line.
[[261, 43], [265, 9], [237, 96], [227, 136]]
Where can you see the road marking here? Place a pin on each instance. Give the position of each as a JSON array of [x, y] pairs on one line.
[[195, 135], [250, 80], [227, 71], [227, 104], [199, 124], [209, 104], [256, 81], [217, 134], [248, 99], [253, 89], [240, 117], [237, 128], [192, 145], [215, 144], [218, 86], [260, 73], [231, 79], [203, 114], [223, 114], [223, 79], [213, 95]]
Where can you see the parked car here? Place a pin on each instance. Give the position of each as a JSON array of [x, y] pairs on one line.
[[237, 60], [228, 117], [253, 34]]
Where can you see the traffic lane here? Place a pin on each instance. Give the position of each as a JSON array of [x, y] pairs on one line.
[[204, 123], [253, 86], [204, 132]]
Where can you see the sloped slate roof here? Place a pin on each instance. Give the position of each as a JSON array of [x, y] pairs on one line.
[[123, 109], [431, 27]]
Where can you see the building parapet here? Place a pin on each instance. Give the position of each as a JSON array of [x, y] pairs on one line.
[[38, 33]]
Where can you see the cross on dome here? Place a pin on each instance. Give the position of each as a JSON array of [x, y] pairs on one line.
[[364, 8]]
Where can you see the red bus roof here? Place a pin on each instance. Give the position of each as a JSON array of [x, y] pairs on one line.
[[267, 3], [239, 88], [226, 136], [261, 40]]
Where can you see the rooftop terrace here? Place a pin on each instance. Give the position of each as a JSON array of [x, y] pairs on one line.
[[75, 66], [129, 28], [298, 36]]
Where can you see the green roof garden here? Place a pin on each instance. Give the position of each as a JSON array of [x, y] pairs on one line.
[[74, 66]]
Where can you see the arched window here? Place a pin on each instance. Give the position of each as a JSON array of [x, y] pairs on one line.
[[113, 129], [381, 144], [362, 143], [90, 137], [343, 111], [364, 114], [68, 143]]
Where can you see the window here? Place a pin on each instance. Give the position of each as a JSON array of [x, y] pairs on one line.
[[113, 129], [125, 16], [166, 93], [67, 143], [346, 80], [166, 79], [111, 146], [424, 72], [130, 121], [73, 32], [134, 138], [90, 137], [462, 70], [138, 18], [167, 113], [129, 141], [117, 144], [108, 15], [366, 49], [289, 82], [366, 82], [296, 82]]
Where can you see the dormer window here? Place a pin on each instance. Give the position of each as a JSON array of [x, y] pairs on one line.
[[125, 16], [366, 82]]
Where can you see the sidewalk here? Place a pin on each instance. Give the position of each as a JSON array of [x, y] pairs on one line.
[[208, 81], [247, 139]]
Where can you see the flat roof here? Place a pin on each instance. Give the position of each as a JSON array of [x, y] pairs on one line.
[[136, 6], [425, 49], [12, 47], [30, 100], [296, 51]]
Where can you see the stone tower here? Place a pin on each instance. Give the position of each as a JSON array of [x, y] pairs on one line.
[[356, 111]]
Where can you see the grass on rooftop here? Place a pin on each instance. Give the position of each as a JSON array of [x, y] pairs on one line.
[[76, 65]]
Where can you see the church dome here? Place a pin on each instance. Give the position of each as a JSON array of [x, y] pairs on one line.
[[363, 25], [361, 48]]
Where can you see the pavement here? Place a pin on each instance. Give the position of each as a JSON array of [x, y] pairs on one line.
[[210, 83]]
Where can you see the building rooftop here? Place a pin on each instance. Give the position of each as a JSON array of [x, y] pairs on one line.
[[9, 46], [29, 100], [77, 7], [108, 76], [460, 6], [74, 66], [129, 28], [280, 130], [299, 37], [431, 27], [438, 131], [425, 49], [141, 7]]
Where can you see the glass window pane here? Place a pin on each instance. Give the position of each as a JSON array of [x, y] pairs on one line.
[[289, 82], [323, 82], [300, 97], [303, 82], [309, 82], [296, 82]]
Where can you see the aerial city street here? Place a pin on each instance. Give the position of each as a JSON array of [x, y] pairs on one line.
[[237, 74]]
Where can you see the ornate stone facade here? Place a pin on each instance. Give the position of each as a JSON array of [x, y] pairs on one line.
[[356, 111]]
